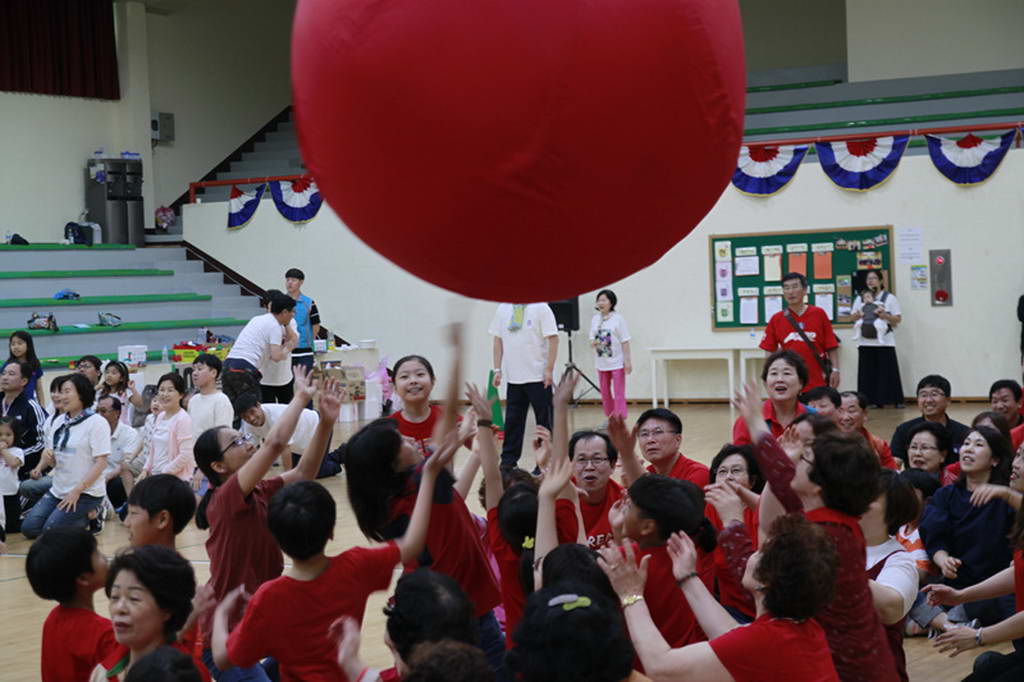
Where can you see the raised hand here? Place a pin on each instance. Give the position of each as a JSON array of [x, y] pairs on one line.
[[683, 553], [332, 395], [726, 501], [565, 389], [791, 442], [625, 574], [481, 405], [304, 384], [542, 444], [748, 403], [447, 444], [623, 438], [557, 474]]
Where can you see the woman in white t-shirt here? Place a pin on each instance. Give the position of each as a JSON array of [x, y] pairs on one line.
[[81, 445], [609, 337], [892, 571], [170, 448], [878, 370]]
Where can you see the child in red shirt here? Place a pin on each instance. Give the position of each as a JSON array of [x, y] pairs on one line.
[[289, 617], [159, 507], [241, 549], [64, 565]]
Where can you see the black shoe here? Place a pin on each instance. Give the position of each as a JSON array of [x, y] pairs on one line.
[[96, 525]]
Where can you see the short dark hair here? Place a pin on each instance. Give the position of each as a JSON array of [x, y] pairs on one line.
[[819, 423], [280, 303], [245, 402], [166, 574], [664, 415], [588, 642], [587, 434], [301, 518], [176, 381], [164, 664], [610, 295], [295, 273], [747, 453], [24, 368], [901, 505], [211, 361], [418, 358], [943, 440], [269, 295], [56, 559], [798, 568], [85, 390], [429, 607], [862, 400], [447, 661], [791, 359], [935, 381], [92, 360], [673, 508], [115, 402], [819, 392], [573, 561], [998, 421], [161, 492], [847, 471], [1006, 383], [790, 276], [921, 480], [57, 382]]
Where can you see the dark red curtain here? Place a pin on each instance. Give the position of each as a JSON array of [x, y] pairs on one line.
[[59, 47]]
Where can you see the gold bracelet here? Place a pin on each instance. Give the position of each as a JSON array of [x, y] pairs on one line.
[[631, 599]]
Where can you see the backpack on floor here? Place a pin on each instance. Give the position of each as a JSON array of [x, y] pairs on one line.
[[78, 234], [43, 321]]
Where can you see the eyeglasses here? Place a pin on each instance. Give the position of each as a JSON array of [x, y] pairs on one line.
[[582, 462], [656, 433], [922, 448], [239, 440], [735, 471], [935, 395]]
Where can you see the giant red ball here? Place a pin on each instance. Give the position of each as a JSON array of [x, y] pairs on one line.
[[519, 150]]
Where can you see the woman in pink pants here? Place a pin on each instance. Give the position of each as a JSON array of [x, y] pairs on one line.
[[610, 338]]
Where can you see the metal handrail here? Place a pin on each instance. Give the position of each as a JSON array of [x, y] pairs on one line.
[[944, 130]]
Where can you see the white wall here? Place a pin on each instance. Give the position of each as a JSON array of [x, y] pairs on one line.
[[222, 69], [667, 305], [904, 38]]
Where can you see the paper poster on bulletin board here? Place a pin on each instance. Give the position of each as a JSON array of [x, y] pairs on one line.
[[746, 271]]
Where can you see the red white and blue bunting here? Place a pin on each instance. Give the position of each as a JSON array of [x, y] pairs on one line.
[[969, 160], [860, 165], [242, 206], [297, 201], [765, 170]]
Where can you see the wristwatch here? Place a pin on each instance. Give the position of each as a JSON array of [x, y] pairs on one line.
[[631, 599]]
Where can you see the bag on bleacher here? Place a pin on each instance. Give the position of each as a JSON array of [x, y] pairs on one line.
[[43, 321], [78, 234], [109, 320]]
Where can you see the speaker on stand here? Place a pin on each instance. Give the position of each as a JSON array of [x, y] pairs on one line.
[[567, 317]]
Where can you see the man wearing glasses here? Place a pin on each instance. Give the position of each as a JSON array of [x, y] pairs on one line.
[[933, 398], [659, 434]]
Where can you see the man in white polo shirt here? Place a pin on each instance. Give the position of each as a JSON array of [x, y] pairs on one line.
[[525, 347], [259, 418]]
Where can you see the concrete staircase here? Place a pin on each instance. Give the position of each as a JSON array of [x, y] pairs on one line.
[[162, 298]]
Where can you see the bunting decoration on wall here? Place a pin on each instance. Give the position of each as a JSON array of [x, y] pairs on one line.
[[242, 206], [969, 160], [298, 201], [765, 170], [860, 165]]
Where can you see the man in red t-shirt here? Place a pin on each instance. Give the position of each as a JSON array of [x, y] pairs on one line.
[[852, 415], [594, 458], [812, 320]]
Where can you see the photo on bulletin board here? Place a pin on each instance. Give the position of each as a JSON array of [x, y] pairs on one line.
[[745, 271]]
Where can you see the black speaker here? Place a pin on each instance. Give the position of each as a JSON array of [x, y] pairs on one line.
[[567, 314]]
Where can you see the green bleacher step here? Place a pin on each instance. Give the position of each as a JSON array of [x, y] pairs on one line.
[[893, 99], [111, 272], [895, 121], [66, 247], [134, 327], [102, 300]]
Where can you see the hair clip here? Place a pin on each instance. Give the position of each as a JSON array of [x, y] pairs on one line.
[[568, 602], [528, 542]]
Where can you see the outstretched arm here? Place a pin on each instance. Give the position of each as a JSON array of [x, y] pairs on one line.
[[558, 475], [487, 450], [624, 440], [331, 397], [411, 544]]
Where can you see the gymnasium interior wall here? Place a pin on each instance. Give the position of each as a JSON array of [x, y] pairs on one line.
[[904, 38], [973, 342]]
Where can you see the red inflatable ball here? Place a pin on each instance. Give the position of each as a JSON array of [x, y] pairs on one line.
[[519, 150]]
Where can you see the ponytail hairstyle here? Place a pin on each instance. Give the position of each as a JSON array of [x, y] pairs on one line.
[[517, 522], [675, 506], [370, 477], [207, 450], [121, 387]]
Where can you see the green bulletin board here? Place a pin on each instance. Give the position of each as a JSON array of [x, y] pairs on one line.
[[747, 269]]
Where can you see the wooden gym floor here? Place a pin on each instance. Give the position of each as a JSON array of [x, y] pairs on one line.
[[705, 429]]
